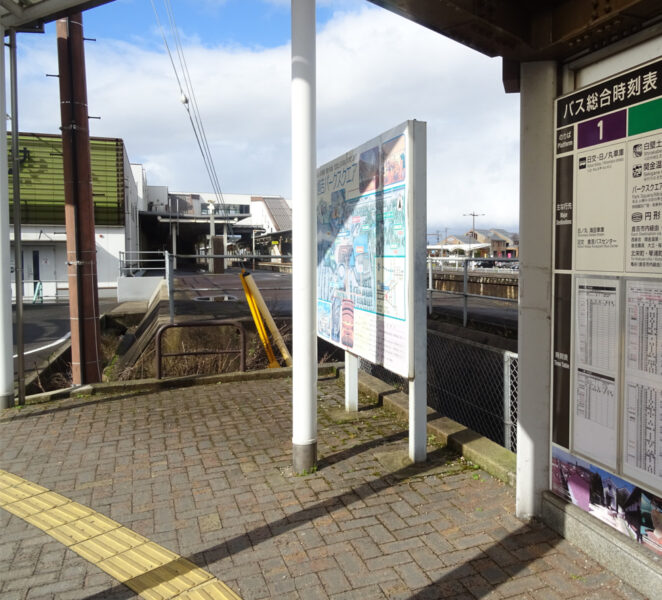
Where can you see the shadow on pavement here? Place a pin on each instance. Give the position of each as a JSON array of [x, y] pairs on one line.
[[447, 585]]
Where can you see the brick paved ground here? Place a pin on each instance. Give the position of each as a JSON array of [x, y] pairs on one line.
[[205, 471]]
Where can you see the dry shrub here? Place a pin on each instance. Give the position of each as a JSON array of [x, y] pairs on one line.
[[184, 340]]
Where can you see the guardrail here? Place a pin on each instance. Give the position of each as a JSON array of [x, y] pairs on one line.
[[473, 266], [237, 325]]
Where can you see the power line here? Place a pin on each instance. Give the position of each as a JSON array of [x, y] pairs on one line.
[[189, 101]]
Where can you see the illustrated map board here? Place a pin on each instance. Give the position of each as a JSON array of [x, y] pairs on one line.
[[607, 316], [365, 211]]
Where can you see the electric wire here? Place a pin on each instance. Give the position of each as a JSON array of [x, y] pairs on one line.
[[189, 100]]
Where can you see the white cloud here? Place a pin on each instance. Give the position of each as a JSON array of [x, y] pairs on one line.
[[375, 70]]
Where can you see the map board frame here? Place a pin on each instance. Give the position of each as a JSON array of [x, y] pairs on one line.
[[607, 287], [369, 229]]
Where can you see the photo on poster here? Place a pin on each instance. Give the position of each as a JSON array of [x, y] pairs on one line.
[[393, 161], [369, 170], [633, 511]]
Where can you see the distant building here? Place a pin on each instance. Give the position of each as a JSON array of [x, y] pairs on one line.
[[502, 244], [130, 215], [512, 242], [43, 233], [182, 222]]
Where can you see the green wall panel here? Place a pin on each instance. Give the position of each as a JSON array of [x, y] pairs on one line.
[[42, 180]]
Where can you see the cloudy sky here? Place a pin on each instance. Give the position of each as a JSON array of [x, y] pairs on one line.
[[375, 70]]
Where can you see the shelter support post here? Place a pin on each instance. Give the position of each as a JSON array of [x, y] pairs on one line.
[[7, 364], [304, 245], [18, 246], [79, 205], [416, 252], [538, 91]]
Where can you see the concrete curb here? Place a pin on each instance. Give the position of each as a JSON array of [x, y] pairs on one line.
[[153, 385], [628, 560], [491, 457]]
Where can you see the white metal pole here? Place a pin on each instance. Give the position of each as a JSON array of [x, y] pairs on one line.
[[18, 247], [225, 246], [416, 255], [7, 363], [351, 382], [173, 232], [304, 238], [253, 234], [212, 233], [538, 90]]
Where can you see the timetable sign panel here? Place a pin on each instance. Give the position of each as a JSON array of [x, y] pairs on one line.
[[613, 133], [607, 403]]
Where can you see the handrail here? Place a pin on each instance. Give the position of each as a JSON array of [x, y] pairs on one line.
[[465, 294], [238, 325]]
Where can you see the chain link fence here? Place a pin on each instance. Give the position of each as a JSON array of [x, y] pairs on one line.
[[471, 383]]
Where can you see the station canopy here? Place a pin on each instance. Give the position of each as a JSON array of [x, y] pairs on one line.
[[30, 15], [522, 30]]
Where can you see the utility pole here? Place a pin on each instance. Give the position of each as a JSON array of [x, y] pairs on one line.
[[473, 216], [79, 206]]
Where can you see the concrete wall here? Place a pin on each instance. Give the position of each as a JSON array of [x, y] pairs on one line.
[[137, 289]]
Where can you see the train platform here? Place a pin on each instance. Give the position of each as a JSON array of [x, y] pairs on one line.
[[188, 492]]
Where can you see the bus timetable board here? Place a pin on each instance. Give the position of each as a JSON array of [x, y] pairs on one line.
[[607, 305], [365, 210]]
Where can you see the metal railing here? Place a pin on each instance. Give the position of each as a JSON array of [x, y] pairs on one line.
[[469, 266], [142, 262], [38, 291], [153, 262], [231, 323], [471, 383]]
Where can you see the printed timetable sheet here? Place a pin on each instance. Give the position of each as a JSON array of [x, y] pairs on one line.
[[596, 368], [642, 448]]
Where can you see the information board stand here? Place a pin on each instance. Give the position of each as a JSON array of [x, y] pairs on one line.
[[371, 221]]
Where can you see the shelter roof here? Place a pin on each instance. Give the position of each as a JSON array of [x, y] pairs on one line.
[[522, 30], [32, 14]]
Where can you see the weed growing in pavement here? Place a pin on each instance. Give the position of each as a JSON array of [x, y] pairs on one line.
[[307, 472]]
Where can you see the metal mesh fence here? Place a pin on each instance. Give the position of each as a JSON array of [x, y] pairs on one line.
[[473, 384]]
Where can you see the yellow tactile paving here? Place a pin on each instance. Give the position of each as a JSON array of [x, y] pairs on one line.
[[169, 580], [96, 549], [35, 504], [153, 572], [85, 529], [137, 561], [58, 515], [9, 480], [21, 491], [209, 591]]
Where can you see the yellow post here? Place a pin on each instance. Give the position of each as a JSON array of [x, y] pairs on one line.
[[266, 314], [259, 324]]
